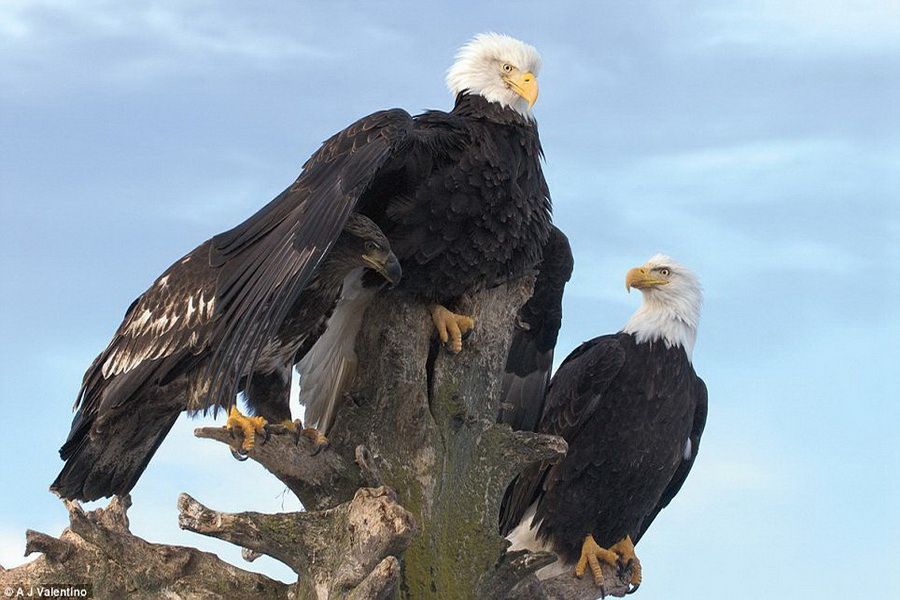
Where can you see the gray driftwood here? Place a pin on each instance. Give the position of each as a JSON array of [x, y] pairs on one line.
[[98, 549], [404, 502]]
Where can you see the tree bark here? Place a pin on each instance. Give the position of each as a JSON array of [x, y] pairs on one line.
[[404, 501]]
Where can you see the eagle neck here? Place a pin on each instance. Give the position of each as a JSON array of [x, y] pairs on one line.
[[478, 107], [674, 324]]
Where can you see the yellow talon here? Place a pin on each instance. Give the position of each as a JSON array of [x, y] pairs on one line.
[[315, 436], [450, 326], [249, 427], [628, 560], [591, 555], [291, 426]]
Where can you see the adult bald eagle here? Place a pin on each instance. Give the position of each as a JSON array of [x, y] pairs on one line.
[[156, 365], [632, 410], [460, 194]]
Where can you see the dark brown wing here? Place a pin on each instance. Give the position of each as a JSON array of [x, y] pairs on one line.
[[266, 261], [684, 468], [575, 391], [530, 357]]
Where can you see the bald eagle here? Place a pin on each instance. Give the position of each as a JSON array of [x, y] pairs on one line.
[[155, 367], [632, 410], [460, 194]]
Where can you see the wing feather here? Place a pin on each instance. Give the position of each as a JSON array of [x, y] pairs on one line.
[[681, 473], [530, 357], [267, 260], [574, 393], [174, 316]]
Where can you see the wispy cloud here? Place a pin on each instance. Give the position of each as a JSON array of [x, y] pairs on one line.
[[810, 26], [184, 26], [133, 42]]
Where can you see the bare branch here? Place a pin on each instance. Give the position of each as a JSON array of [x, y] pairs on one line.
[[99, 550], [321, 478], [336, 550]]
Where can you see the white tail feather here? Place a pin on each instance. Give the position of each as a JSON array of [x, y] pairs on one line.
[[330, 365], [524, 537]]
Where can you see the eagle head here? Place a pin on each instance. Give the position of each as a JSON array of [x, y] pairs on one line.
[[499, 68], [363, 244], [672, 300]]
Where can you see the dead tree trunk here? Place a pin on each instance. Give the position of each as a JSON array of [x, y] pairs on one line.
[[405, 501]]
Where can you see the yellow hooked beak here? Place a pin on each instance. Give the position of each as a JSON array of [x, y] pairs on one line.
[[642, 279], [524, 84]]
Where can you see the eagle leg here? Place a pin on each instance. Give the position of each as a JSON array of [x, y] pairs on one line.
[[628, 562], [248, 426], [451, 327], [591, 555]]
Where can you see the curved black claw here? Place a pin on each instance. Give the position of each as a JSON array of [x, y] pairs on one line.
[[319, 447], [631, 589], [468, 334], [239, 454], [268, 433]]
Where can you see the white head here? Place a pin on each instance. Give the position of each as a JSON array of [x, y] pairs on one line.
[[671, 307], [498, 67]]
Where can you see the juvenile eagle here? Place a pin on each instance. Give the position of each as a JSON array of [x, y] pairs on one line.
[[157, 364], [632, 410]]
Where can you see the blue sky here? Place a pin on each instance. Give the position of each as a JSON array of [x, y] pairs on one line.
[[757, 142]]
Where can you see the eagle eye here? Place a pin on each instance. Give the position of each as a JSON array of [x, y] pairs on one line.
[[507, 67], [664, 271], [372, 246]]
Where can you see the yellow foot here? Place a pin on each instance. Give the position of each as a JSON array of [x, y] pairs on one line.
[[318, 439], [620, 555], [315, 436], [591, 555], [248, 426], [450, 326], [628, 562]]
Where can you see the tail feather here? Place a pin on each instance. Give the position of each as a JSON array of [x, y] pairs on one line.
[[101, 462], [329, 366]]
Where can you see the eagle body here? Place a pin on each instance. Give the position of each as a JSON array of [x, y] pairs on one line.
[[627, 456], [468, 206], [463, 200]]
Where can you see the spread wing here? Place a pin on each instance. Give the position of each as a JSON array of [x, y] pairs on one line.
[[530, 358], [575, 392], [691, 447], [172, 319], [266, 261]]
